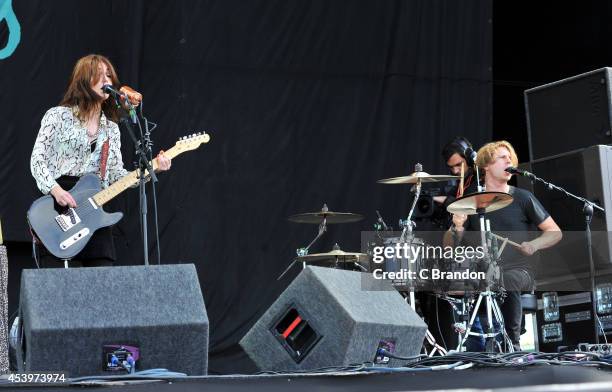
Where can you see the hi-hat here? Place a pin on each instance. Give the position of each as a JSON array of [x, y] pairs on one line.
[[334, 256], [329, 216], [416, 177], [480, 202]]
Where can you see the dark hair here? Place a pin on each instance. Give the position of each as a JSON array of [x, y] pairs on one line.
[[79, 92], [457, 146]]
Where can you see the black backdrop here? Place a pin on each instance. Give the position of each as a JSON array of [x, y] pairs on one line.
[[306, 102]]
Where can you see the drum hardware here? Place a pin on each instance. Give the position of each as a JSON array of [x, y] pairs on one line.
[[325, 216], [418, 177], [462, 180], [322, 218], [380, 224], [481, 203], [335, 257], [435, 347]]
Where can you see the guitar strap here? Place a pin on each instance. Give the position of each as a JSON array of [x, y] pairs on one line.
[[104, 158]]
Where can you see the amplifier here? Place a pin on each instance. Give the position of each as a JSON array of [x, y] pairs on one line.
[[577, 107]]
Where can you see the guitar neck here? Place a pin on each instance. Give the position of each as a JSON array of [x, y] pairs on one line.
[[130, 179]]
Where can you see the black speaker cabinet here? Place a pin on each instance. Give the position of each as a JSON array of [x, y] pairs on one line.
[[569, 114], [587, 173], [76, 319], [329, 317]]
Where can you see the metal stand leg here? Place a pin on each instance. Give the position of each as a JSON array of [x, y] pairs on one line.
[[499, 316], [428, 335], [66, 263], [493, 313], [460, 326], [468, 330]]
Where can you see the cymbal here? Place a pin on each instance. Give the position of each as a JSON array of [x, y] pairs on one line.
[[416, 176], [480, 202], [334, 255], [330, 216]]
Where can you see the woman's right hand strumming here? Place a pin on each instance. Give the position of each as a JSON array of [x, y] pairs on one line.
[[62, 197]]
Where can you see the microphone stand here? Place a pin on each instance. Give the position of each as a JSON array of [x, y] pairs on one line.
[[143, 151], [587, 210], [147, 136]]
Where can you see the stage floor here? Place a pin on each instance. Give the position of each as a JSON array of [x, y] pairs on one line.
[[532, 378]]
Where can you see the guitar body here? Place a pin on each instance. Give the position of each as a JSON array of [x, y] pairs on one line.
[[66, 231]]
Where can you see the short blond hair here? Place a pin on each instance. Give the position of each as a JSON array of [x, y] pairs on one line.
[[486, 154]]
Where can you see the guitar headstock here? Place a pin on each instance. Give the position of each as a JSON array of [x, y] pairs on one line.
[[193, 141]]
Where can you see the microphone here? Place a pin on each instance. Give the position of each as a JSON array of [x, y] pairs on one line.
[[519, 172], [382, 221], [121, 96], [107, 88]]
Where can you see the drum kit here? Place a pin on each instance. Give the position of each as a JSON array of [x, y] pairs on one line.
[[479, 203]]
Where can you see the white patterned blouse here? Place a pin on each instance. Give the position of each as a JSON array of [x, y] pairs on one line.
[[62, 148]]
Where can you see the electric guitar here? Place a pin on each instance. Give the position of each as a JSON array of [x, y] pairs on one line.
[[66, 231]]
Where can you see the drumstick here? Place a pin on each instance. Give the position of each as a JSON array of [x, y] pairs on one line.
[[515, 244], [461, 182]]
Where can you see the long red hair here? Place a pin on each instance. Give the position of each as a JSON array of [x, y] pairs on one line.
[[80, 94]]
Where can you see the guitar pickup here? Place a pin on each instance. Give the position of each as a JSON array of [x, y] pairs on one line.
[[68, 219]]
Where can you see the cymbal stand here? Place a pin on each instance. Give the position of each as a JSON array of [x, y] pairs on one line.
[[304, 251], [436, 348], [492, 307], [408, 225], [407, 234]]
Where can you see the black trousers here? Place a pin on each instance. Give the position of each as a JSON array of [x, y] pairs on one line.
[[516, 281]]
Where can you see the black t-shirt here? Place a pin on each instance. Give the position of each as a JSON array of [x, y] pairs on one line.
[[518, 221]]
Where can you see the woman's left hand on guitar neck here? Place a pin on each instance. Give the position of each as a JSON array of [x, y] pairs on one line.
[[163, 162]]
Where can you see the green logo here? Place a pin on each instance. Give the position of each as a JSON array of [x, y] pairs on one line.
[[14, 29]]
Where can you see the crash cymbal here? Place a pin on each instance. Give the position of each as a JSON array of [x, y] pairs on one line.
[[334, 255], [480, 202], [330, 216], [416, 176]]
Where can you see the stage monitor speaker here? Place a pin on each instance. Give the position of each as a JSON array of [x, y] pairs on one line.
[[569, 114], [587, 173], [70, 318], [330, 317]]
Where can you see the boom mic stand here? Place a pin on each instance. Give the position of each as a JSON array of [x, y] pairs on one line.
[[587, 210]]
